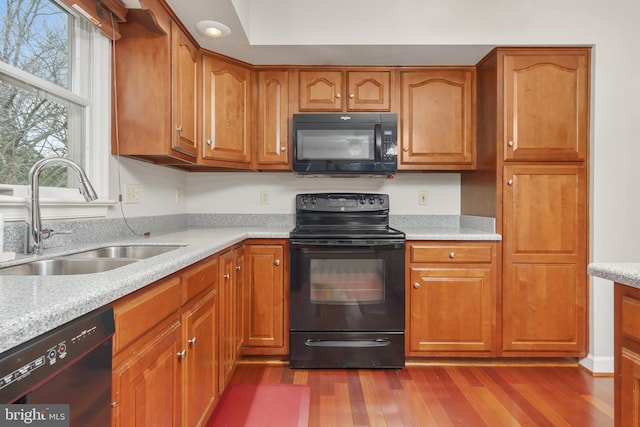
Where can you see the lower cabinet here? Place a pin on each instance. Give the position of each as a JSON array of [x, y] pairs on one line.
[[165, 364], [266, 325], [627, 355], [451, 299]]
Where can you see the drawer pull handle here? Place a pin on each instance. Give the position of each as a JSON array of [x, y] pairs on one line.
[[182, 354], [192, 341], [416, 285], [452, 255]]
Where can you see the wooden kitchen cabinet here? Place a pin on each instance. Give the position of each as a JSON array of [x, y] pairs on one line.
[[266, 323], [546, 105], [157, 90], [626, 355], [165, 363], [227, 114], [272, 139], [545, 302], [345, 90], [451, 299], [438, 124], [532, 176], [229, 313]]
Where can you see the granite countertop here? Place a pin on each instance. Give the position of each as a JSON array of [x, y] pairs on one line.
[[626, 273], [33, 305]]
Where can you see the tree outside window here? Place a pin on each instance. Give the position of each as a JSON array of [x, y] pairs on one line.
[[35, 37]]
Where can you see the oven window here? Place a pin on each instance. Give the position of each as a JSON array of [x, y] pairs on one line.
[[345, 144], [347, 281]]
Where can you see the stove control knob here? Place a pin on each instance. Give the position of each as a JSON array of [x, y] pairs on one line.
[[381, 200], [363, 201], [304, 200], [372, 201], [314, 200]]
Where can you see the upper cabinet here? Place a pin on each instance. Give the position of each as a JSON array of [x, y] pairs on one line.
[[438, 119], [546, 106], [344, 90], [185, 92], [272, 137], [156, 89], [226, 113]]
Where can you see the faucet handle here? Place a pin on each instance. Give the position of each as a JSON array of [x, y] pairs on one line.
[[48, 232]]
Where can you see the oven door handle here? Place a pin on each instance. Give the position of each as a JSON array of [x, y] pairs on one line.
[[356, 343], [306, 244]]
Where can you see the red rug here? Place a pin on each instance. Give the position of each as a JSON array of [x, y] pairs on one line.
[[249, 405]]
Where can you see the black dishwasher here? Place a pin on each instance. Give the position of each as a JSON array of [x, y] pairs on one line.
[[70, 365]]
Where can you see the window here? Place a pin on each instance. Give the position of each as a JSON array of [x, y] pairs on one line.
[[54, 99]]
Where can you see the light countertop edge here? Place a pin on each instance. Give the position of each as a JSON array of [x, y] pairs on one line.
[[33, 305], [626, 273]]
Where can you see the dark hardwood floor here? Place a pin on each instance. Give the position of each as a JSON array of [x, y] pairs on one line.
[[467, 396]]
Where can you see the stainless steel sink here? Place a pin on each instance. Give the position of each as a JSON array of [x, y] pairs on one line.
[[64, 266], [125, 251]]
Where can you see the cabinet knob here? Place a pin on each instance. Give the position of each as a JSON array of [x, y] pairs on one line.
[[209, 142], [192, 341], [114, 404], [510, 182], [351, 95], [238, 268], [405, 149], [276, 262], [510, 143], [179, 129], [416, 285], [452, 254], [283, 148], [182, 354], [227, 276], [338, 95]]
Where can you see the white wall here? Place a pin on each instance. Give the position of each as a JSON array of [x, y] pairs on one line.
[[235, 192], [611, 27]]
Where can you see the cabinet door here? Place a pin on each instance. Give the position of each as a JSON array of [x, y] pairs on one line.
[[226, 320], [265, 325], [369, 90], [238, 300], [226, 121], [273, 120], [546, 112], [452, 310], [544, 274], [147, 388], [320, 90], [438, 120], [201, 367], [630, 388], [185, 66]]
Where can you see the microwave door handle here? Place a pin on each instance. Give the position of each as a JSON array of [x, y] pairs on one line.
[[377, 134]]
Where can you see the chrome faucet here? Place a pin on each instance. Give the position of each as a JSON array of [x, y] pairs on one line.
[[86, 189]]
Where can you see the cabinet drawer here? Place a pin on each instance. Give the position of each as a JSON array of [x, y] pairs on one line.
[[200, 278], [631, 318], [143, 310], [450, 253]]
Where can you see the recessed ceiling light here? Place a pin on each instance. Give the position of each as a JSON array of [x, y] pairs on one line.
[[213, 29]]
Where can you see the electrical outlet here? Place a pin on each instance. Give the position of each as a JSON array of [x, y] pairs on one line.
[[131, 193], [264, 197], [178, 195], [423, 197]]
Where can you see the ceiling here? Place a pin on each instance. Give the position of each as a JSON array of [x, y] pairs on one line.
[[348, 50]]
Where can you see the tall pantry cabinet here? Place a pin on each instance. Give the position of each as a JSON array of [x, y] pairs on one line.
[[532, 176]]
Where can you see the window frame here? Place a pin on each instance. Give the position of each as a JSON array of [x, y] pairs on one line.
[[90, 59]]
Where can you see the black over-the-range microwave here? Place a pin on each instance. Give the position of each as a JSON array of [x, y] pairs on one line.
[[345, 144]]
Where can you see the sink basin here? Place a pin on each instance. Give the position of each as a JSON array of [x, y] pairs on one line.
[[128, 251], [64, 266]]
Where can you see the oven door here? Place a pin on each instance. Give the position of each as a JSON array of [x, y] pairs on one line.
[[347, 285]]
